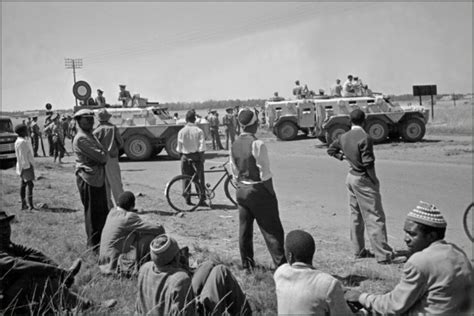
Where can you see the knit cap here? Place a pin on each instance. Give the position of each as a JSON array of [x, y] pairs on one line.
[[163, 249], [427, 214]]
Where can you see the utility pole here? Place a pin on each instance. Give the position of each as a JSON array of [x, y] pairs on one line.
[[73, 63]]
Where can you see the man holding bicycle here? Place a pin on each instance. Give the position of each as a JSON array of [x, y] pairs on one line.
[[191, 145], [256, 198]]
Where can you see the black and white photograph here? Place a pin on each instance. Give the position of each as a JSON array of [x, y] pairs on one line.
[[236, 157]]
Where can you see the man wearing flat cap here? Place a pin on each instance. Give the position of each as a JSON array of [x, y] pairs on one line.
[[110, 138], [125, 96], [100, 99], [365, 201], [168, 286], [437, 278], [91, 158], [256, 198], [31, 282]]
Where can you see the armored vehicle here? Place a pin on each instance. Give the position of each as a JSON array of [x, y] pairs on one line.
[[146, 131], [7, 143], [327, 117]]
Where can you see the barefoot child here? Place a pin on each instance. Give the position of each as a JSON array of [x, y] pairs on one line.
[[25, 166]]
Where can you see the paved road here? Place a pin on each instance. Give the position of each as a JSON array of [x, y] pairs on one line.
[[311, 189]]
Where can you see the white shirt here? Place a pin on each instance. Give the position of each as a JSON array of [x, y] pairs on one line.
[[260, 153], [24, 155], [191, 139]]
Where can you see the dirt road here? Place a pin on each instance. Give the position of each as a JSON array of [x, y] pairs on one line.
[[312, 194]]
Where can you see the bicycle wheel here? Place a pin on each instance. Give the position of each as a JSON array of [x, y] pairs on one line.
[[230, 189], [468, 222], [183, 194]]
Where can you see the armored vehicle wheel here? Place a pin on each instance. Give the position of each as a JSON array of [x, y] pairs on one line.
[[377, 130], [287, 131], [334, 131], [171, 144], [413, 130], [138, 147]]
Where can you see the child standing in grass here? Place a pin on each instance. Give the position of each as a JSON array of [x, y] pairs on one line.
[[25, 166]]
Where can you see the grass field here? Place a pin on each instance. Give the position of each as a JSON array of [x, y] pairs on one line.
[[58, 231]]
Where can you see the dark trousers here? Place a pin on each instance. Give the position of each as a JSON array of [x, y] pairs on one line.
[[58, 149], [217, 291], [229, 136], [50, 145], [94, 200], [258, 202], [35, 143], [216, 139], [187, 161]]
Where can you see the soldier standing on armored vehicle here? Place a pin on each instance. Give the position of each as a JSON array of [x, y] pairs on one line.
[[337, 89], [124, 96], [348, 88], [100, 99], [298, 90]]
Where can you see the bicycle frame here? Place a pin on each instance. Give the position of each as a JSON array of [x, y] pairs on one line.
[[210, 191]]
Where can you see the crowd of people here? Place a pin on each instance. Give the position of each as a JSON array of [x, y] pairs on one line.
[[230, 124], [436, 276]]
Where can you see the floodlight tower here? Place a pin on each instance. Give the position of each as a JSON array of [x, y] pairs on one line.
[[73, 63]]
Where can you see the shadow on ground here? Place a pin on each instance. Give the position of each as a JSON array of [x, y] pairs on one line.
[[161, 213], [57, 210]]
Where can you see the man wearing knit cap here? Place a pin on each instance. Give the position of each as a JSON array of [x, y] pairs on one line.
[[167, 286], [437, 278], [365, 201], [110, 138], [126, 238], [91, 158], [256, 198], [300, 288]]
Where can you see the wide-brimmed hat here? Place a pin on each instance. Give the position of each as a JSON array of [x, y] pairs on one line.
[[100, 91], [4, 218], [122, 85], [84, 113], [104, 115]]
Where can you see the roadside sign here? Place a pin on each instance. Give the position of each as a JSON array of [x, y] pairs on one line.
[[422, 90]]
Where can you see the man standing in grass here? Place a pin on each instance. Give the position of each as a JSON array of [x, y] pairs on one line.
[[110, 138], [365, 201], [300, 288], [25, 167], [437, 278], [91, 158], [256, 198]]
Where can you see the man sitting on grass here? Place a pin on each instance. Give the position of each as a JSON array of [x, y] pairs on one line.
[[300, 288], [437, 278], [32, 283], [166, 285], [126, 238]]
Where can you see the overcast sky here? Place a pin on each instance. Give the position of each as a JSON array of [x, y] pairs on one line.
[[171, 52]]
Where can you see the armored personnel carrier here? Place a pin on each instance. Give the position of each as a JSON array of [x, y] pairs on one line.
[[326, 118], [146, 130]]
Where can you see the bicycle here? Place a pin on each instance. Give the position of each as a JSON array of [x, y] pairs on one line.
[[468, 222], [185, 194]]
